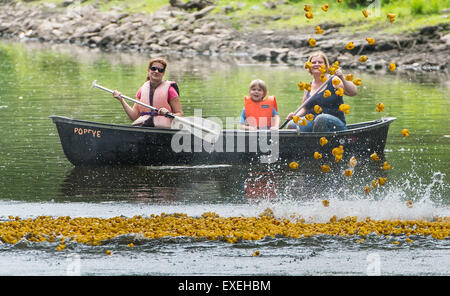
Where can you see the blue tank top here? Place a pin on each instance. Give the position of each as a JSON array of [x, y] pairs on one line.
[[330, 105]]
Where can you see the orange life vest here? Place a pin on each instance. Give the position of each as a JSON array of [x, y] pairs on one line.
[[259, 114], [160, 100]]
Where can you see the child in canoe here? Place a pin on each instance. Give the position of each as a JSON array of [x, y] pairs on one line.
[[259, 112]]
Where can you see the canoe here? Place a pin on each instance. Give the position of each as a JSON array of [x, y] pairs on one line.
[[87, 143]]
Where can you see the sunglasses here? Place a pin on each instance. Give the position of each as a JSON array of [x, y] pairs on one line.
[[160, 70]]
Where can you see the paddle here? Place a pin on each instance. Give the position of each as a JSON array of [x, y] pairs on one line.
[[203, 128]]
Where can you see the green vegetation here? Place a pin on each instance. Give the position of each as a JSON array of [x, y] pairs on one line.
[[253, 14]]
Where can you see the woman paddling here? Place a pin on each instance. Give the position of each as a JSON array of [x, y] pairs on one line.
[[155, 92], [323, 94]]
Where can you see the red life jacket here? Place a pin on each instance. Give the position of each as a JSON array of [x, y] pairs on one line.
[[160, 99], [259, 114]]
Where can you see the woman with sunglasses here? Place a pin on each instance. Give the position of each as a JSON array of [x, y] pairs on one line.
[[155, 92]]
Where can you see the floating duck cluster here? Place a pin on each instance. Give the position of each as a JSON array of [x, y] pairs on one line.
[[96, 231]]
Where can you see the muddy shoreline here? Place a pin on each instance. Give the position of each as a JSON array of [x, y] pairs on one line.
[[175, 31]]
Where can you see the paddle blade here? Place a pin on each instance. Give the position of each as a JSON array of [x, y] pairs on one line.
[[206, 129]]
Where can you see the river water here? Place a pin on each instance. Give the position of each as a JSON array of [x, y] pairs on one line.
[[37, 81]]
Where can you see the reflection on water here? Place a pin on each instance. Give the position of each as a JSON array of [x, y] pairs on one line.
[[214, 184]]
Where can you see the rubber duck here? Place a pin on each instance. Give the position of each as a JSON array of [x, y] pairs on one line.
[[323, 78], [307, 8], [332, 70], [348, 173], [371, 41], [357, 81], [293, 165], [256, 253], [323, 69], [365, 13], [308, 65], [326, 93], [325, 7], [325, 203], [391, 17], [367, 189], [323, 141], [336, 82], [380, 107], [350, 45], [344, 108], [339, 92], [363, 59], [295, 119], [301, 85], [392, 67], [309, 117], [349, 77], [405, 132], [325, 168], [317, 109], [386, 166], [317, 155], [352, 162], [309, 15], [319, 30], [374, 156], [312, 42]]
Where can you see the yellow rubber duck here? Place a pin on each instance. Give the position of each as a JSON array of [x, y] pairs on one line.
[[409, 203], [391, 17], [312, 42], [363, 59], [374, 156], [325, 7], [381, 181], [325, 168], [332, 70], [392, 67], [256, 253], [336, 82], [339, 92], [323, 141], [348, 173], [317, 109], [326, 93], [309, 15], [309, 117], [325, 203], [349, 77], [352, 162], [344, 108], [307, 8], [365, 13], [380, 107], [367, 189], [350, 45], [295, 119], [301, 85], [323, 69], [303, 122], [371, 41], [317, 155], [405, 132], [386, 166], [108, 252], [374, 183], [293, 165], [323, 78], [308, 65], [319, 30], [357, 81]]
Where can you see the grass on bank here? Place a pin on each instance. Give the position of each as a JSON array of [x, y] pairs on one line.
[[252, 14]]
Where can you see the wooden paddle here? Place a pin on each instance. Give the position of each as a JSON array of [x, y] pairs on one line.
[[206, 129]]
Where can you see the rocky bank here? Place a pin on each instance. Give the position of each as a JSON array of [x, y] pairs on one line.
[[174, 30]]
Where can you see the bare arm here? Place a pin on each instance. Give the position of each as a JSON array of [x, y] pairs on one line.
[[349, 87], [133, 113]]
